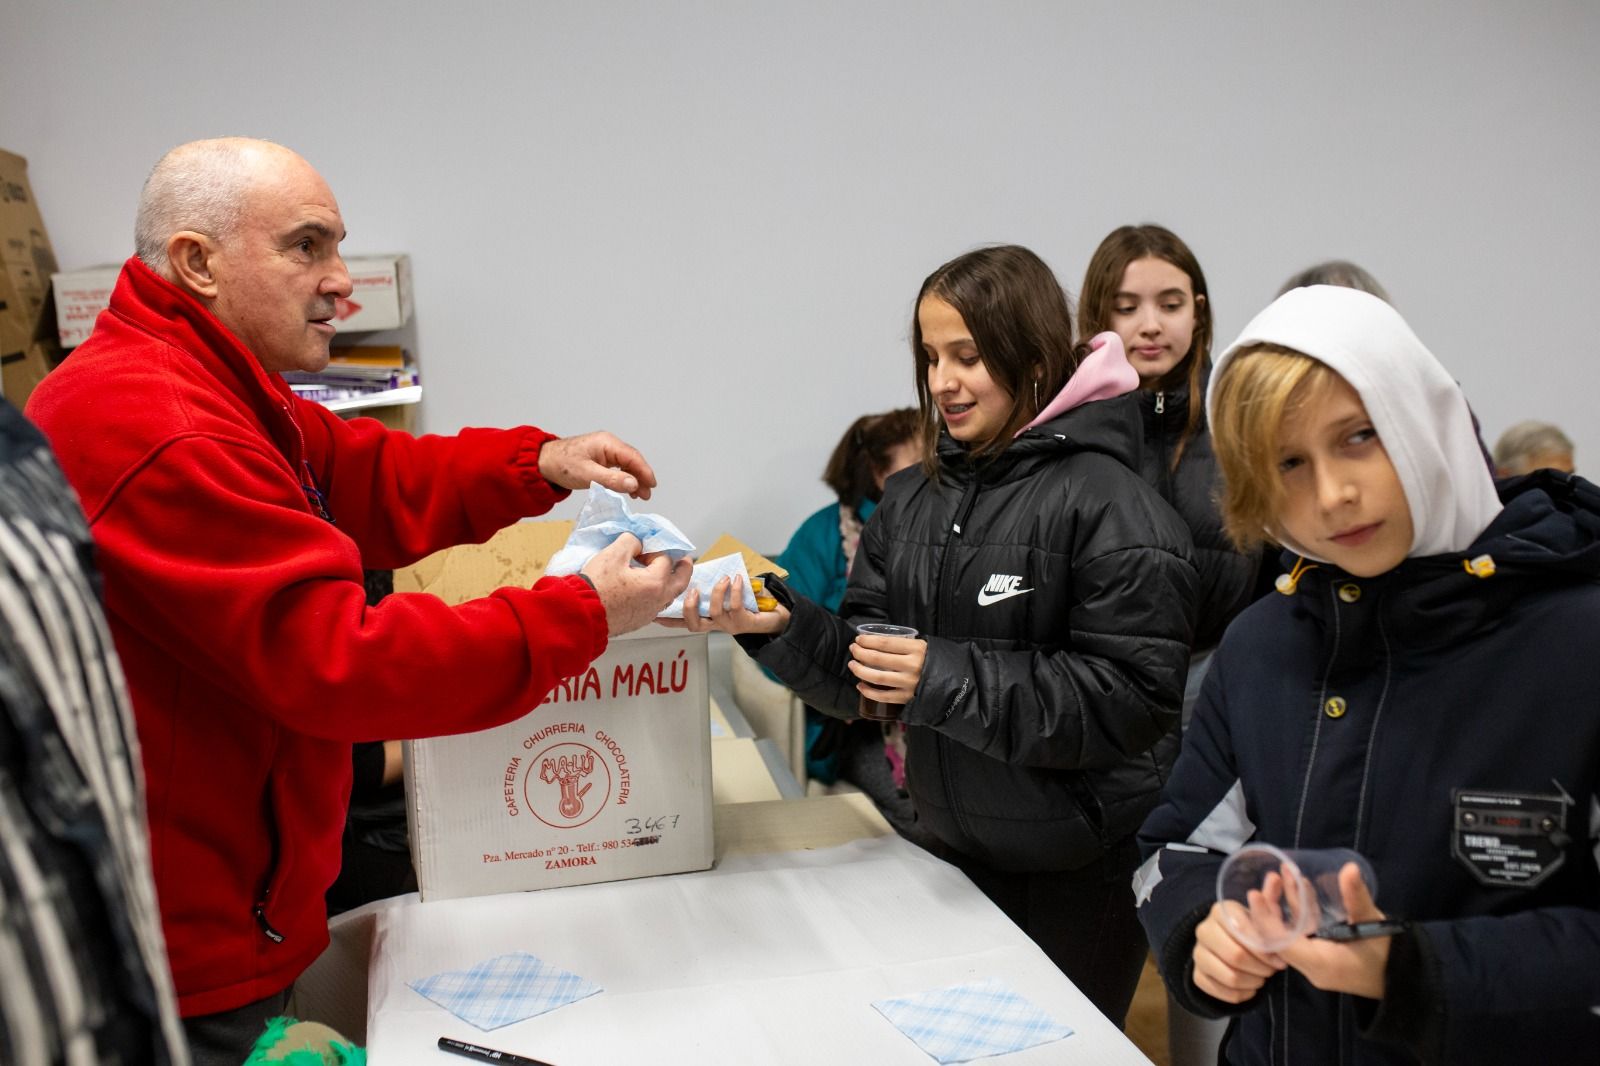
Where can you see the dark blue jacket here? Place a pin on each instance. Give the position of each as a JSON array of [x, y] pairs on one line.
[[1389, 715]]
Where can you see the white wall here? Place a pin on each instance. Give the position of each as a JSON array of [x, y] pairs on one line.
[[701, 225]]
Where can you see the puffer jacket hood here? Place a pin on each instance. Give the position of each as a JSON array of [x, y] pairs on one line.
[[1106, 427], [1104, 374], [1550, 525]]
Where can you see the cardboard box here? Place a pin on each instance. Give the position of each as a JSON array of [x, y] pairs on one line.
[[609, 778], [21, 372], [380, 294], [80, 297], [27, 323]]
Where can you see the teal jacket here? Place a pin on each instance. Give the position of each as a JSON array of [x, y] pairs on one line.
[[815, 558]]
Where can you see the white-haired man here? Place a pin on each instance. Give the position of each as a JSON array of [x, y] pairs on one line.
[[1530, 446], [233, 523]]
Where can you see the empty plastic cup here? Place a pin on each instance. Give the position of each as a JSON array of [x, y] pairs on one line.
[[1271, 897]]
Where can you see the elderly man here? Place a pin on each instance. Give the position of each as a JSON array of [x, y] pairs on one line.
[[233, 522], [1530, 446]]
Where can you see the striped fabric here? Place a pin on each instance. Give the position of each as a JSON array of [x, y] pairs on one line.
[[969, 1021], [83, 970]]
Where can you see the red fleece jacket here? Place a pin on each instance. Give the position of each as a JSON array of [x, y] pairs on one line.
[[241, 619]]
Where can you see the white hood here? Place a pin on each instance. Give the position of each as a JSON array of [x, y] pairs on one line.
[[1415, 405]]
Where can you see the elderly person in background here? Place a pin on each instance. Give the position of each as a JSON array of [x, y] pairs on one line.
[[233, 522], [1530, 446], [1340, 272]]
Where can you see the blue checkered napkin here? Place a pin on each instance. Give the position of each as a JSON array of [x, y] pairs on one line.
[[505, 989], [970, 1021]]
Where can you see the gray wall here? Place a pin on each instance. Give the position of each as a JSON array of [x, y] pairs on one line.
[[701, 225]]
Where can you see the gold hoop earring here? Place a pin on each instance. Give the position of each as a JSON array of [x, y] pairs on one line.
[[1036, 407]]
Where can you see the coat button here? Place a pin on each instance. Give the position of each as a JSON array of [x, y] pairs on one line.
[[1335, 707], [1349, 592]]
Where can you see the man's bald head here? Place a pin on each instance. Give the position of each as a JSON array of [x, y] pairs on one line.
[[250, 230], [202, 186]]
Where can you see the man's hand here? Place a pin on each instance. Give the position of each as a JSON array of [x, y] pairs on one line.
[[632, 595], [1356, 966], [728, 613], [573, 462], [1224, 968], [887, 669]]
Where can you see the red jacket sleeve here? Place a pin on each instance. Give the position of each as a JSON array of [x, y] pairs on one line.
[[401, 497], [210, 552]]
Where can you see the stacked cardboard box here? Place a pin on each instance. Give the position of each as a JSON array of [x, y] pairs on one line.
[[28, 347]]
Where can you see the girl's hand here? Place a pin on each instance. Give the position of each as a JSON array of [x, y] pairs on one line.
[[1260, 920], [1224, 968], [1355, 966], [887, 668], [728, 613]]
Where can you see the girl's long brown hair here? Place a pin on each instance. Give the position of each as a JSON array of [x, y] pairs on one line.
[[1021, 323], [1103, 279]]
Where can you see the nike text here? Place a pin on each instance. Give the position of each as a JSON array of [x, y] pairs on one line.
[[1000, 587]]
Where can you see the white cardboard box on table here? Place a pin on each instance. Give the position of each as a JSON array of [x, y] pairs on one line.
[[609, 778]]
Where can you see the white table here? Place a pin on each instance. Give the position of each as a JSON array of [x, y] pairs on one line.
[[773, 956]]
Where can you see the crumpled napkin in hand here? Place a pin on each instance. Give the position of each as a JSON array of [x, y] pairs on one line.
[[605, 517], [504, 989], [969, 1021], [706, 575]]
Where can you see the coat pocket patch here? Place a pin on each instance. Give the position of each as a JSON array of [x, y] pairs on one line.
[[1509, 839]]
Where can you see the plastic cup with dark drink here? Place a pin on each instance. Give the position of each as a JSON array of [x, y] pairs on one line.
[[877, 710]]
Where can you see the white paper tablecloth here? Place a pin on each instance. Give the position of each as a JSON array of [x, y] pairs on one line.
[[769, 958]]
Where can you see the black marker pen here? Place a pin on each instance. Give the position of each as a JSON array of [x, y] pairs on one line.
[[1345, 931], [483, 1054]]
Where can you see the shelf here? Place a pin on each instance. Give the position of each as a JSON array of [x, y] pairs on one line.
[[386, 398]]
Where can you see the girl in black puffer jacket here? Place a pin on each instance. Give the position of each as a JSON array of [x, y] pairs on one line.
[[1144, 283], [1054, 594]]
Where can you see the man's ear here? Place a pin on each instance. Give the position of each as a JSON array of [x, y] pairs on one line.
[[190, 256]]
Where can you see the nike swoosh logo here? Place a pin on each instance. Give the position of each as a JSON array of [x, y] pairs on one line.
[[985, 598]]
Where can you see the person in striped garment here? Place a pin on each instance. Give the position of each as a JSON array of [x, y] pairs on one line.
[[83, 966]]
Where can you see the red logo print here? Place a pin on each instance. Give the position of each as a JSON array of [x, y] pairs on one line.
[[560, 787]]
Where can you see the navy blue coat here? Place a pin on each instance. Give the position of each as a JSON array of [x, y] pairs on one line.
[[1384, 715]]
